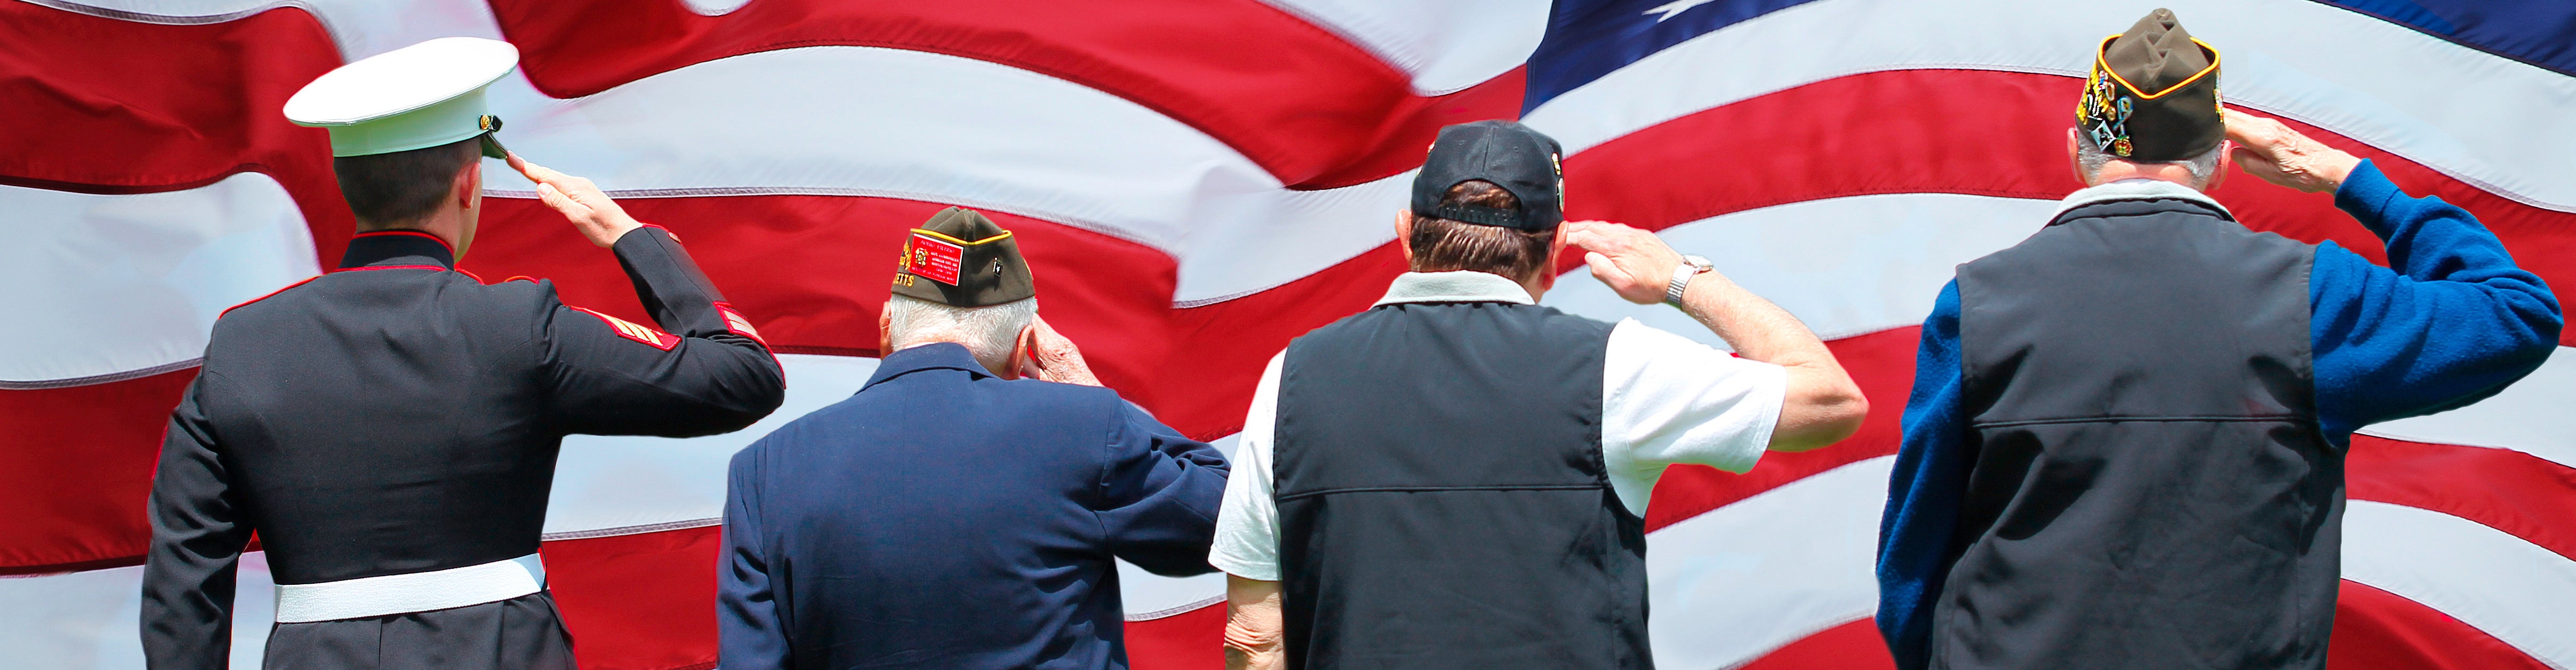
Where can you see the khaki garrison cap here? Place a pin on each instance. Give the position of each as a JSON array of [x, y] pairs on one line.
[[415, 97], [961, 259], [2153, 94]]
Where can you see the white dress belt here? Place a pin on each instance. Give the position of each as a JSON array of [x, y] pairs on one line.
[[416, 592]]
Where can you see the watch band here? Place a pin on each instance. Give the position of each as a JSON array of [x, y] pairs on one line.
[[1691, 267]]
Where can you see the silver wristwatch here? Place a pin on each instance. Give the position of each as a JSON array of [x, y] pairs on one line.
[[1691, 266]]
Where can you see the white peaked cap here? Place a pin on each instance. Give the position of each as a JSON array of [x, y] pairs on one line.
[[418, 96]]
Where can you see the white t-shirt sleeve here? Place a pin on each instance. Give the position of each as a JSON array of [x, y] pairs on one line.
[[1666, 399], [1247, 522]]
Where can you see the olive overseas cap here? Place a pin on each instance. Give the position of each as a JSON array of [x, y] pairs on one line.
[[415, 97], [2153, 94], [961, 259], [1509, 155]]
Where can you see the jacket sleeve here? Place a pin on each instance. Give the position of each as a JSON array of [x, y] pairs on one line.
[[197, 538], [751, 635], [1917, 536], [2450, 322], [1158, 495], [614, 377]]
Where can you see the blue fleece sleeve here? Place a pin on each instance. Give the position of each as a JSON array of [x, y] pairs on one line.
[[1915, 536], [2452, 323]]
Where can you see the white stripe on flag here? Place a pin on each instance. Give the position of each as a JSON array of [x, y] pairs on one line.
[[2514, 590], [2405, 93], [108, 284]]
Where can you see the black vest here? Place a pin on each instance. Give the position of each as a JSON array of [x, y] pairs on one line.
[[1442, 499], [2151, 487]]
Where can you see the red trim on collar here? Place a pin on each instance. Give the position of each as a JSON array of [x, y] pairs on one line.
[[395, 267], [271, 294], [451, 249]]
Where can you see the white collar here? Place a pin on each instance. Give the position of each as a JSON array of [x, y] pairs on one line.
[[1454, 286], [2136, 189]]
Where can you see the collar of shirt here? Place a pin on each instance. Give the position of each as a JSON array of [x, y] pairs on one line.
[[1454, 286], [396, 248], [933, 356], [2136, 189]]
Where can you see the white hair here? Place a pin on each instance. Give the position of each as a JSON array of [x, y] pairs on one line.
[[990, 332], [2090, 158]]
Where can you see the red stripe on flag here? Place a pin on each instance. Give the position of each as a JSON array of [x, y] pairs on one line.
[[99, 105], [1882, 363], [638, 602], [2378, 630], [78, 471], [2518, 493], [1822, 140], [1311, 107], [1850, 646], [2373, 630], [814, 270], [1192, 640]]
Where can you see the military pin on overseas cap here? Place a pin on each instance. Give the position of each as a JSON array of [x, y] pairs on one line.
[[415, 97], [961, 259]]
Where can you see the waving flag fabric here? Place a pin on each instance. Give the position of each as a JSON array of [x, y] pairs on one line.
[[1197, 181]]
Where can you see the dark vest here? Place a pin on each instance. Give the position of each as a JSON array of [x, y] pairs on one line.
[[1442, 500], [2151, 488]]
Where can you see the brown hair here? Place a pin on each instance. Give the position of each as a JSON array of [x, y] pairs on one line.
[[1441, 245], [387, 190]]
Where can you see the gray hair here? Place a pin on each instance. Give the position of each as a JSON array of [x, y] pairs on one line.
[[2089, 157], [990, 332]]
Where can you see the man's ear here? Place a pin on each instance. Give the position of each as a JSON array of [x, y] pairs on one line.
[[467, 189], [885, 328], [1021, 348], [2226, 159], [1555, 255], [1404, 235], [2072, 163]]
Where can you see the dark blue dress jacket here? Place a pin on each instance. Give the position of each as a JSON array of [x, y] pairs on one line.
[[2452, 323], [946, 518]]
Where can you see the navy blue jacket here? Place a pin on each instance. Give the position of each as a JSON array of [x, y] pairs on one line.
[[2454, 322], [943, 517]]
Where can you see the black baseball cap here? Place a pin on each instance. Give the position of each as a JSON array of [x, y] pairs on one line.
[[1509, 155]]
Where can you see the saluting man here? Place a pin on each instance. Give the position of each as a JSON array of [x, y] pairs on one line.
[[962, 510], [390, 428], [2125, 446]]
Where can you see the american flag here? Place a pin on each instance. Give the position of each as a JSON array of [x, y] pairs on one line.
[[1196, 182]]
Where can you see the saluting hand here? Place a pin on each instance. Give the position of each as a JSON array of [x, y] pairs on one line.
[[2273, 152], [1048, 356], [1635, 263], [591, 211]]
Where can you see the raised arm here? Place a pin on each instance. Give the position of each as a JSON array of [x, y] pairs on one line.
[[1159, 494], [1821, 406], [709, 373], [197, 538], [2451, 320]]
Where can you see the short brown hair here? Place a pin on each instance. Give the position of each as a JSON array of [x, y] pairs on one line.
[[393, 189], [1441, 245]]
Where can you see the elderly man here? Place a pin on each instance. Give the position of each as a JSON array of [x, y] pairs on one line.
[[963, 509], [1458, 477], [2126, 439]]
